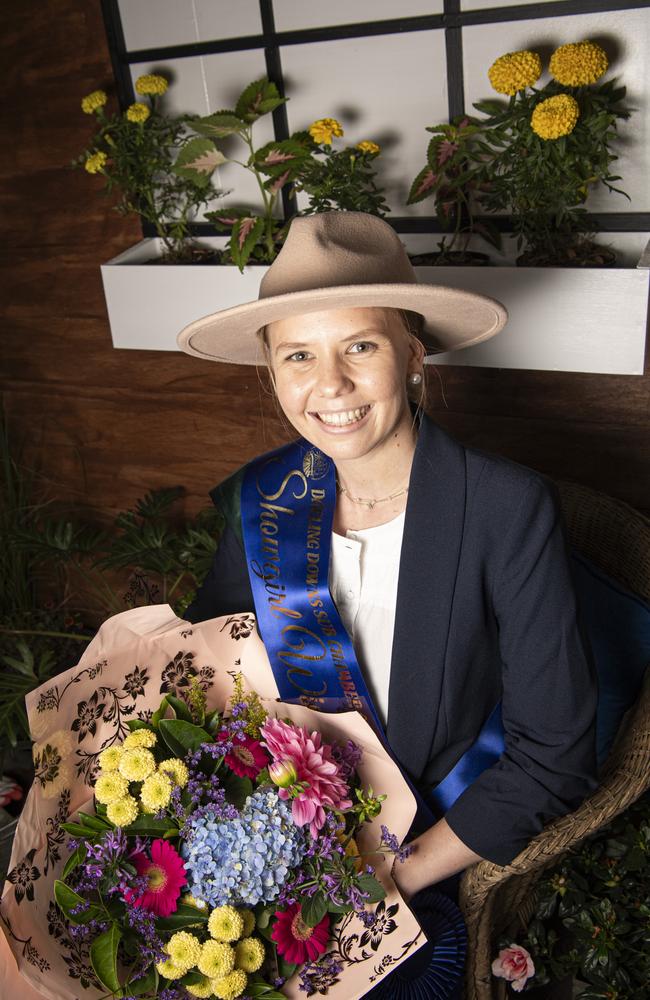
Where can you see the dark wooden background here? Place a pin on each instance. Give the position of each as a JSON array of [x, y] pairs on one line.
[[103, 426]]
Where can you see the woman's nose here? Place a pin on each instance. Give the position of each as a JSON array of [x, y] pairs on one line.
[[332, 378]]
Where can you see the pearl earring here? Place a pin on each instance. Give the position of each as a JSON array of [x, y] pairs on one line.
[[415, 378]]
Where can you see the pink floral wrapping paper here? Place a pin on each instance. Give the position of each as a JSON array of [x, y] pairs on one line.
[[133, 660]]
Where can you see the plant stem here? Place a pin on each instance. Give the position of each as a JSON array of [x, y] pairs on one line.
[[52, 635]]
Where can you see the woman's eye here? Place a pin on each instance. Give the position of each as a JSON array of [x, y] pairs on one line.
[[298, 356], [361, 347]]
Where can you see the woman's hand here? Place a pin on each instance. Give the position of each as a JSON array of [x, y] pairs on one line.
[[437, 854]]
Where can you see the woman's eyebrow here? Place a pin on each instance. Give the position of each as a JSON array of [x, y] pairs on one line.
[[297, 345]]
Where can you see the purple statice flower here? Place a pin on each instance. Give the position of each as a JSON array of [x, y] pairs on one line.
[[151, 946], [348, 757], [317, 977], [390, 841]]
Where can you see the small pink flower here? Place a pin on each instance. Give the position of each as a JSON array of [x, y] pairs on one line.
[[165, 872], [515, 965], [315, 768], [247, 757]]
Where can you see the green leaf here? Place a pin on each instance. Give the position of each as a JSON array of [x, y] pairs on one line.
[[369, 884], [103, 958], [258, 99], [77, 830], [245, 234], [134, 724], [74, 860], [197, 161], [257, 989], [212, 722], [159, 713], [423, 186], [182, 737], [183, 916], [218, 125], [68, 899], [191, 979], [237, 789], [313, 909], [94, 823], [277, 158], [148, 826], [147, 984]]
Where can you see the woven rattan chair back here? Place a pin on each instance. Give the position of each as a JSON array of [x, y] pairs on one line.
[[616, 538]]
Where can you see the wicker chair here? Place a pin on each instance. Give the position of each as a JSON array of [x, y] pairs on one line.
[[493, 898]]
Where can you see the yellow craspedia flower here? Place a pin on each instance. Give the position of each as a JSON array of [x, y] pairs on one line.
[[202, 989], [156, 792], [176, 770], [183, 949], [231, 986], [137, 764], [515, 71], [216, 959], [151, 83], [169, 970], [109, 759], [93, 102], [249, 922], [323, 129], [249, 954], [96, 162], [123, 812], [226, 924], [368, 147], [140, 737], [111, 787], [578, 63], [138, 113], [555, 117]]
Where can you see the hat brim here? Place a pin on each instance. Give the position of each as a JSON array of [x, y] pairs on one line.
[[453, 318]]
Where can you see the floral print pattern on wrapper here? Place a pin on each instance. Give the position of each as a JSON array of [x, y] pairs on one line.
[[134, 659]]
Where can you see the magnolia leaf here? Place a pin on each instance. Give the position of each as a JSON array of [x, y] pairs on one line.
[[180, 708], [258, 99], [183, 916], [147, 826], [181, 736], [147, 984], [103, 958], [369, 884], [94, 823], [69, 900], [218, 125], [74, 860], [313, 909], [198, 159]]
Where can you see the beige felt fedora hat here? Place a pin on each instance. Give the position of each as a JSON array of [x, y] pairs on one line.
[[338, 260]]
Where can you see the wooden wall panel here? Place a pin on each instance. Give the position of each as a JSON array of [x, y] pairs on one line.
[[103, 425]]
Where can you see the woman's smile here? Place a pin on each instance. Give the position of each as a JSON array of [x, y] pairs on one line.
[[343, 420]]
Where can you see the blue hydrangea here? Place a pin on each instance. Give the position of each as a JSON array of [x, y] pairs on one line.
[[243, 861]]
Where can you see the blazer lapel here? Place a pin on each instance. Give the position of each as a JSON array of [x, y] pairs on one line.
[[429, 559]]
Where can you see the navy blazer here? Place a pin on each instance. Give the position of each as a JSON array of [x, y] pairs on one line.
[[485, 611]]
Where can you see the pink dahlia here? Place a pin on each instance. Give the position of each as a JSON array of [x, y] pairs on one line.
[[247, 757], [165, 872], [297, 942], [315, 768]]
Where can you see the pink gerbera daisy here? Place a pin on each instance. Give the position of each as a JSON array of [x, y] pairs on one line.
[[315, 768], [297, 942], [165, 872], [247, 757]]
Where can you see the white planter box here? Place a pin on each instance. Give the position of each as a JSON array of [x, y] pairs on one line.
[[561, 319]]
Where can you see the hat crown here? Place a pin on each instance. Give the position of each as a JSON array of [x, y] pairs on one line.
[[332, 249]]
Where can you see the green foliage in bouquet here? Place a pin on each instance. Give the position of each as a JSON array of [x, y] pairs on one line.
[[540, 153], [135, 153], [343, 179], [592, 914]]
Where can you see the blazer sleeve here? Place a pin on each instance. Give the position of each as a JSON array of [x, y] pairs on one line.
[[549, 690]]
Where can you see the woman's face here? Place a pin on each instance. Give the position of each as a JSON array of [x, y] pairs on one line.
[[340, 377]]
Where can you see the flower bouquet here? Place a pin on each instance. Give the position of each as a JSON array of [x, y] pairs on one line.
[[216, 844]]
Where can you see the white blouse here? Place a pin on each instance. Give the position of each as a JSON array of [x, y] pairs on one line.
[[364, 567]]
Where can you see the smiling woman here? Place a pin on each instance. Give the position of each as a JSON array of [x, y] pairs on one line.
[[436, 574]]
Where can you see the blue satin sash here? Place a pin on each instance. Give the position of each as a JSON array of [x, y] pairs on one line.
[[287, 510]]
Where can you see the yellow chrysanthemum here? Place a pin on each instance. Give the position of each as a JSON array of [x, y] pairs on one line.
[[202, 989], [137, 764], [151, 83], [249, 922], [226, 924], [109, 759], [230, 986], [515, 71], [156, 792], [578, 63], [169, 970], [111, 787], [323, 129], [93, 102], [176, 770], [368, 147], [123, 812], [216, 960], [555, 117], [249, 954], [183, 949], [137, 113], [140, 737], [96, 162]]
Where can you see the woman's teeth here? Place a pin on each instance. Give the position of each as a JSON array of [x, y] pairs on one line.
[[343, 417]]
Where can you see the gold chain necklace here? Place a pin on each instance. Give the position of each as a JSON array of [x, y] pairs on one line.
[[371, 503]]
